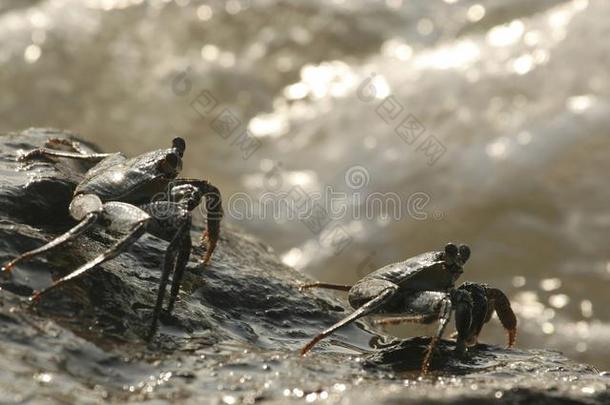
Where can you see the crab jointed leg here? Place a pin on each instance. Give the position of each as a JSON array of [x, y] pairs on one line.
[[184, 251], [44, 152], [435, 305], [71, 234], [396, 320], [386, 294], [77, 152], [176, 258], [444, 317], [74, 145], [123, 213], [340, 287]]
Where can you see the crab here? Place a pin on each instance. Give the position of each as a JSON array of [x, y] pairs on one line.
[[422, 290], [120, 194]]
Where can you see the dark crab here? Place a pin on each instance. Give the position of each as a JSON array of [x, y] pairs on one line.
[[422, 289], [119, 194]]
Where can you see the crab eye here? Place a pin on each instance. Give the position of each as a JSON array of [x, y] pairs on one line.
[[451, 250], [180, 146], [172, 160], [170, 164], [464, 252]]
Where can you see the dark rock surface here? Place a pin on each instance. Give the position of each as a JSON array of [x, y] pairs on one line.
[[234, 334]]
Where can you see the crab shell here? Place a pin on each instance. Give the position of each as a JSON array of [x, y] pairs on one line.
[[131, 180], [430, 271]]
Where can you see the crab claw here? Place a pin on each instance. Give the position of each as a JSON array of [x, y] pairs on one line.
[[211, 245], [505, 313], [214, 216], [479, 311]]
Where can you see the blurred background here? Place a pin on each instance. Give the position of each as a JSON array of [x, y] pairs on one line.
[[488, 121]]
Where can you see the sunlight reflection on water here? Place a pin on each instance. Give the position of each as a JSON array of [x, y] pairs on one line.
[[520, 102]]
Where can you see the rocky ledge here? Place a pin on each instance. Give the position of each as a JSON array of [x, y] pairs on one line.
[[234, 334]]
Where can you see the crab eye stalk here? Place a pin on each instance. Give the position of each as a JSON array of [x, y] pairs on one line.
[[464, 253], [170, 165], [451, 250], [180, 146]]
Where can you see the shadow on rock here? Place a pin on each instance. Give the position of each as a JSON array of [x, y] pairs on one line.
[[408, 354]]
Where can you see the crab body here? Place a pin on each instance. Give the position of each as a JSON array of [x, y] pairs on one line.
[[134, 180], [424, 272]]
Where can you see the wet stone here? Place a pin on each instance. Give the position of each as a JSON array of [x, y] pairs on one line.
[[234, 333]]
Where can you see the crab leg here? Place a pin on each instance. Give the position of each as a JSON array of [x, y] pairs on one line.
[[118, 248], [176, 258], [461, 302], [340, 287], [77, 151], [81, 227], [119, 211], [445, 316], [384, 296], [41, 152], [181, 262], [396, 320], [75, 146], [505, 313]]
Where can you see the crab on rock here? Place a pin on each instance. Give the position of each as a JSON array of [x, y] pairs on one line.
[[422, 289], [119, 194]]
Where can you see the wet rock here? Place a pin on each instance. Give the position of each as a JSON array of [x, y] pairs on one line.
[[234, 333]]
